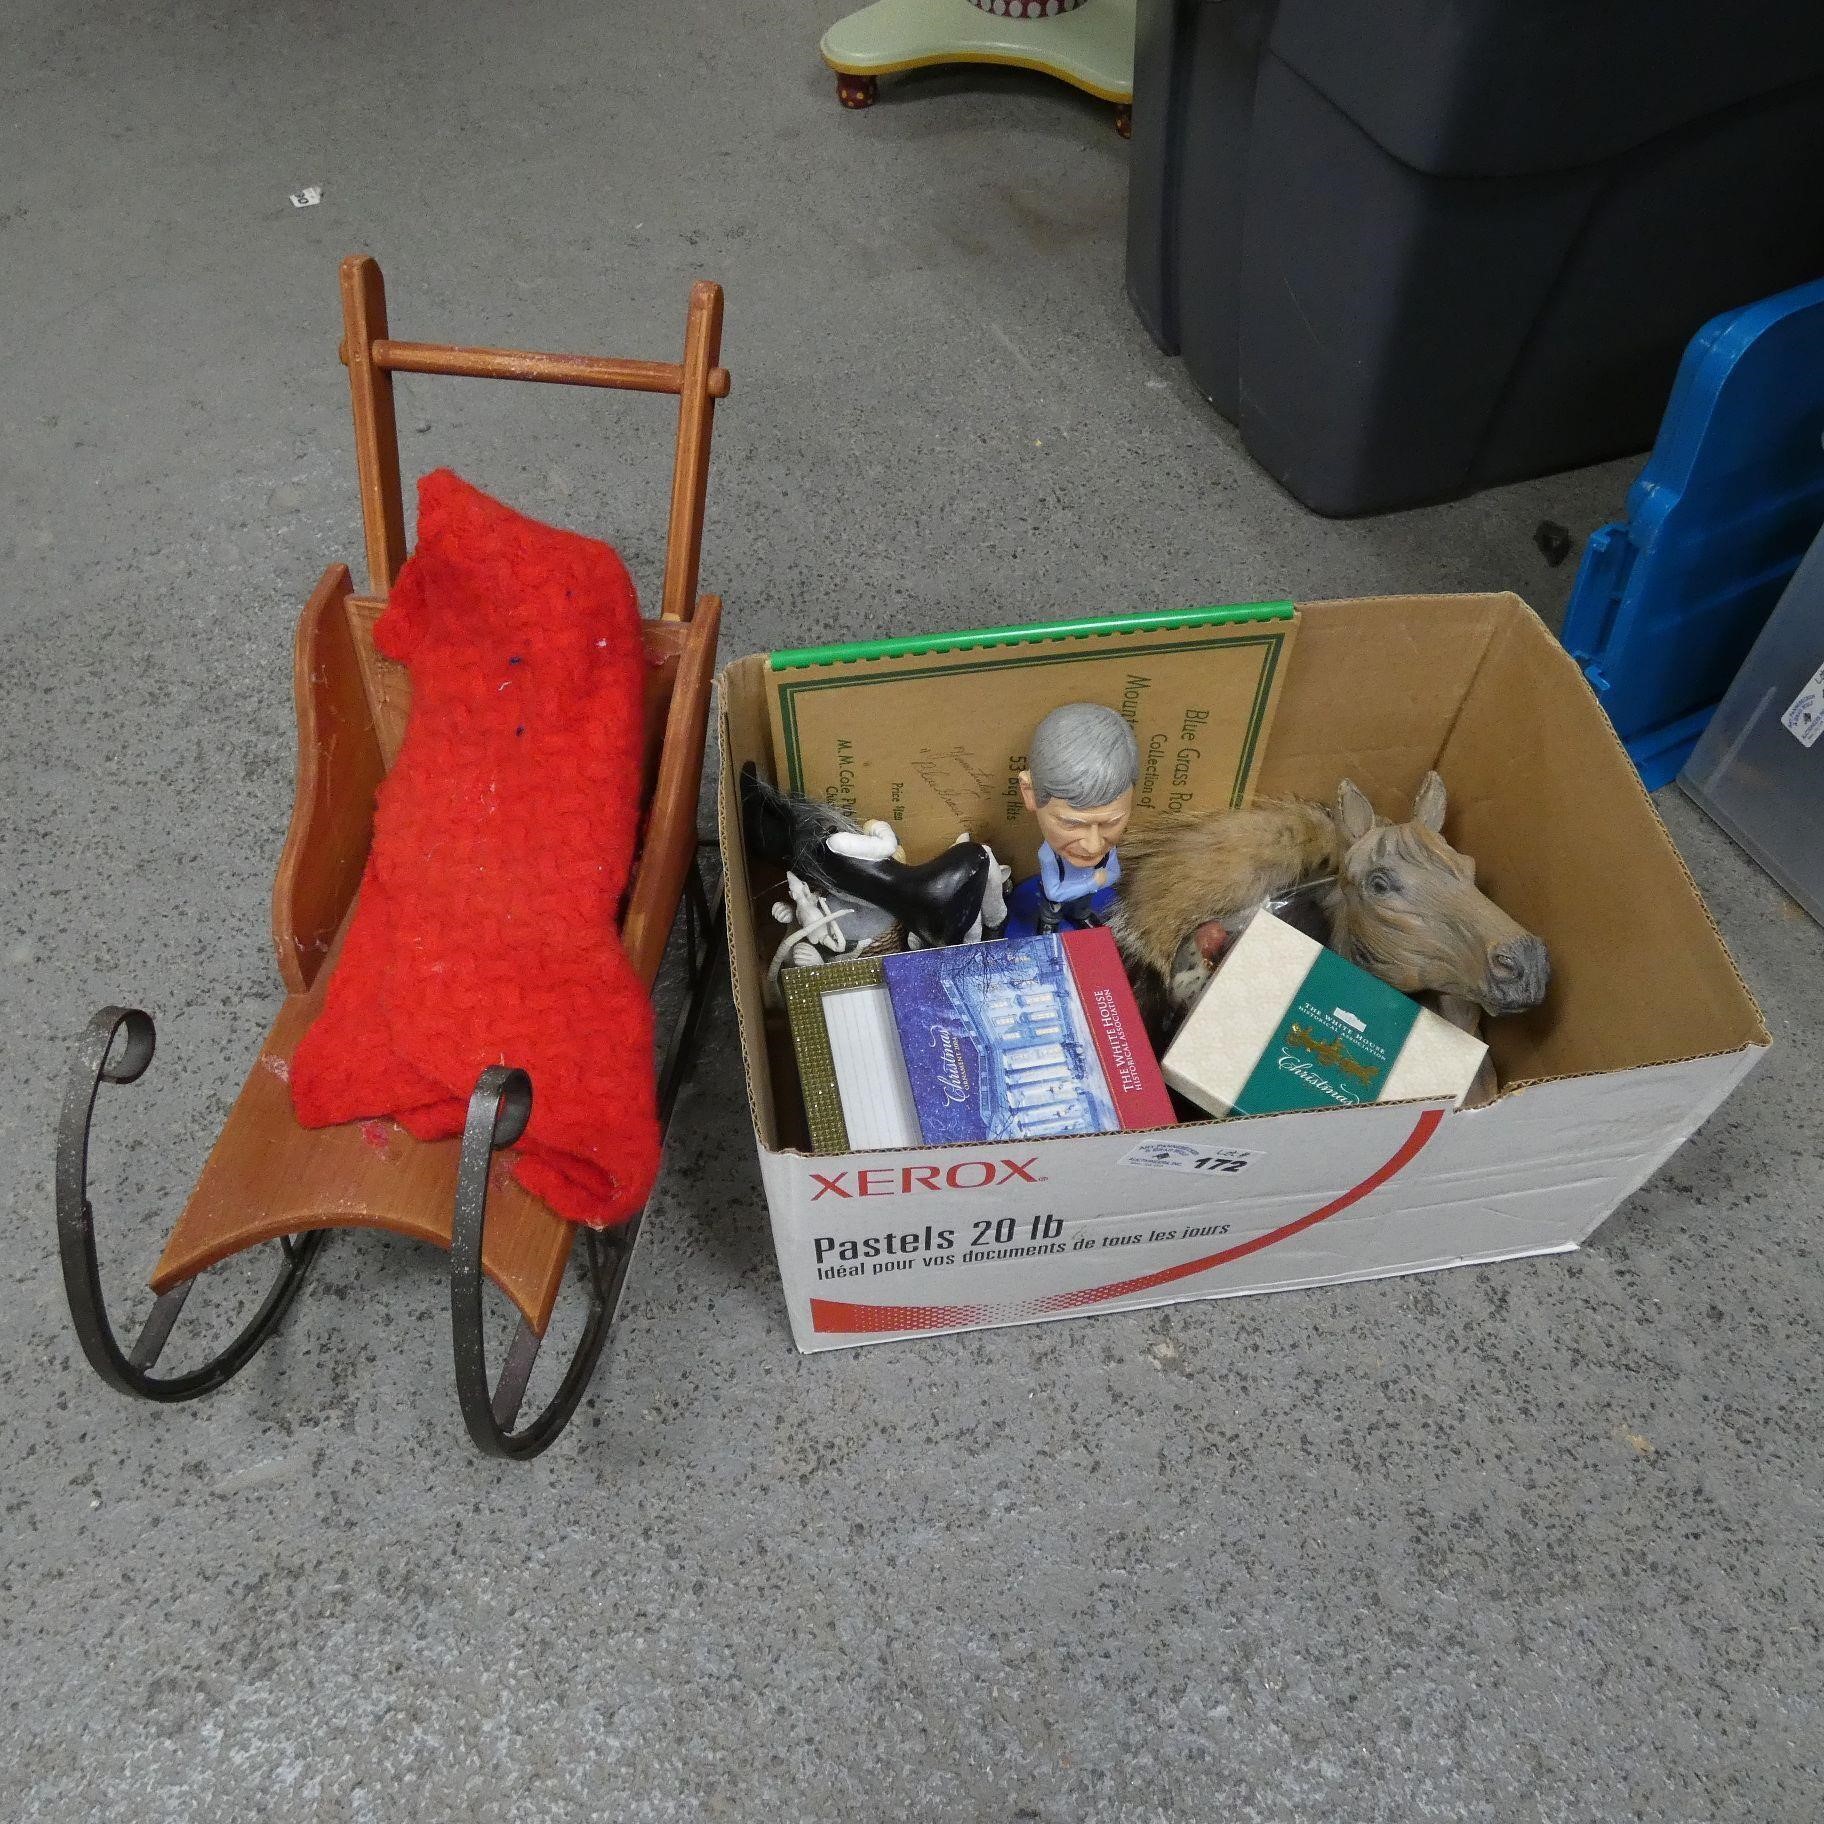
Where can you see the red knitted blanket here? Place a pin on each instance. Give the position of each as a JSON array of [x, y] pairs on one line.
[[486, 931]]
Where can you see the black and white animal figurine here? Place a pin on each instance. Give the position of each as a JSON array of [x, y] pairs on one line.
[[851, 891]]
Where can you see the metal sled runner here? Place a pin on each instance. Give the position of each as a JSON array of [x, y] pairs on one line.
[[270, 1180]]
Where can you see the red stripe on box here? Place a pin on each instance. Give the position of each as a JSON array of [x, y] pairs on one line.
[[1128, 1065], [834, 1317]]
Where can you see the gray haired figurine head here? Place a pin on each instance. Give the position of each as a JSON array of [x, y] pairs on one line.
[[1079, 780]]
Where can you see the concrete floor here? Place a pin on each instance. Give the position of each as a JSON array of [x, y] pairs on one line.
[[1533, 1543]]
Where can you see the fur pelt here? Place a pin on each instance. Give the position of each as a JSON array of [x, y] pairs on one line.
[[1177, 877]]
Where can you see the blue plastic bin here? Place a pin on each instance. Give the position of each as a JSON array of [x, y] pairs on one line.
[[1669, 600]]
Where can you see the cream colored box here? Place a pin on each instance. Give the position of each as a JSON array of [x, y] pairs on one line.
[[1308, 1036]]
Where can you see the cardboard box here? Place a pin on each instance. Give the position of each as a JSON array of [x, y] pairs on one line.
[[1646, 1030]]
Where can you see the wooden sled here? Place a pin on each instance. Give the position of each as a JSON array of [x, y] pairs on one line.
[[269, 1179]]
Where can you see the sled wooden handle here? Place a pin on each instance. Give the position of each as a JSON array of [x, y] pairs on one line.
[[526, 364]]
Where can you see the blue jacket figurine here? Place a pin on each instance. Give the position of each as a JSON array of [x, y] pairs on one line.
[[1079, 785]]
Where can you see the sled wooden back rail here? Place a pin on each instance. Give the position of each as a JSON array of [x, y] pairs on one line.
[[372, 357]]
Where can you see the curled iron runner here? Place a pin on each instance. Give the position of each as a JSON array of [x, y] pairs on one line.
[[98, 1061], [117, 1047], [498, 1112]]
